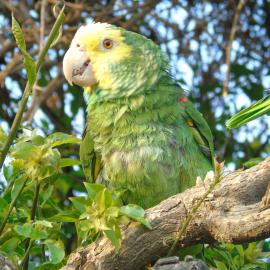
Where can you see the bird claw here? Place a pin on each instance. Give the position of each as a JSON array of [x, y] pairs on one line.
[[199, 181], [208, 180]]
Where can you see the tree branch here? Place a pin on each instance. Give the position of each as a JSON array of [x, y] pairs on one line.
[[239, 7], [232, 213]]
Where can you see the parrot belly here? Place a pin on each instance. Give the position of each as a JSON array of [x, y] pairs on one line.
[[150, 174]]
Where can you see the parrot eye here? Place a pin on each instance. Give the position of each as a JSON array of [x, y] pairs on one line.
[[107, 43]]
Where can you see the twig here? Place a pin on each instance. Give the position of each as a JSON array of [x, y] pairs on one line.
[[26, 255], [29, 243], [239, 7], [183, 228], [28, 89], [10, 67], [35, 97], [12, 204]]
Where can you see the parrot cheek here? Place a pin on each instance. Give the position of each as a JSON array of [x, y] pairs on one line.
[[77, 68]]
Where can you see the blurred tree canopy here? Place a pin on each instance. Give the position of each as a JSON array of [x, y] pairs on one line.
[[194, 34]]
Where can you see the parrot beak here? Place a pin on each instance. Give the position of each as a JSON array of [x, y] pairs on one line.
[[77, 67]]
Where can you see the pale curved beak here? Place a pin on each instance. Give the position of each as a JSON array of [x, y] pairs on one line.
[[77, 67]]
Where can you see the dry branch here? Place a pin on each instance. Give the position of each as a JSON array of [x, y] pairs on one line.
[[232, 213], [239, 7]]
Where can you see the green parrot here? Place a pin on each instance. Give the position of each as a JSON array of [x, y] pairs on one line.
[[252, 112], [143, 135]]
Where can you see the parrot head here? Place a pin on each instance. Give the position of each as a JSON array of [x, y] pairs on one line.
[[112, 59]]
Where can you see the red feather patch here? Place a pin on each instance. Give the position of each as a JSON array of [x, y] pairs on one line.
[[183, 99]]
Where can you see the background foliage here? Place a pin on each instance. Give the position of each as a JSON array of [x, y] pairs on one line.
[[193, 33]]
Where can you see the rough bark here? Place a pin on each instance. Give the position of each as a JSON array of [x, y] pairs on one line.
[[234, 212]]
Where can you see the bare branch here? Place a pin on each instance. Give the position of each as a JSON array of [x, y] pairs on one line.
[[232, 213], [239, 7]]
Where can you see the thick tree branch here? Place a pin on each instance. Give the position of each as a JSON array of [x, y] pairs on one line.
[[232, 213]]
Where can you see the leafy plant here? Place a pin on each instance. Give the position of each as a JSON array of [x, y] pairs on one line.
[[102, 211], [32, 222], [236, 257], [230, 256], [35, 166]]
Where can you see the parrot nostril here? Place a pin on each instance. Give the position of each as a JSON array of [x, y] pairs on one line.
[[78, 45], [87, 62]]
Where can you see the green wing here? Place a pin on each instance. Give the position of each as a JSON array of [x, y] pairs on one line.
[[199, 128], [91, 160]]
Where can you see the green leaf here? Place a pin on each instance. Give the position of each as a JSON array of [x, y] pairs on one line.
[[28, 61], [39, 233], [38, 140], [24, 230], [66, 162], [56, 250], [44, 223], [115, 237], [18, 33], [46, 195], [250, 113], [29, 231], [25, 151], [10, 245], [59, 138], [103, 199], [93, 189], [80, 203], [135, 212], [3, 207], [65, 216], [3, 137], [220, 265], [57, 37], [18, 183]]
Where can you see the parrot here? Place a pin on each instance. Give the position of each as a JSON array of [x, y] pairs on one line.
[[143, 137]]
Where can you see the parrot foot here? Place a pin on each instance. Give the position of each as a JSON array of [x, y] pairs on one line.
[[266, 198], [199, 181], [209, 178]]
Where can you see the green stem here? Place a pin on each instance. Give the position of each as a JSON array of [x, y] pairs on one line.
[[29, 243], [8, 188], [183, 227], [12, 204], [26, 255], [28, 88]]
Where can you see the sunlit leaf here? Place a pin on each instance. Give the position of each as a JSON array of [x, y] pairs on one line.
[[80, 203], [115, 237], [56, 250], [66, 162], [29, 63], [59, 138], [10, 245], [93, 189], [135, 212], [65, 216]]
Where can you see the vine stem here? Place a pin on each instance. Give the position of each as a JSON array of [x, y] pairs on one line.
[[12, 204], [26, 255], [29, 243], [28, 88], [183, 227]]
